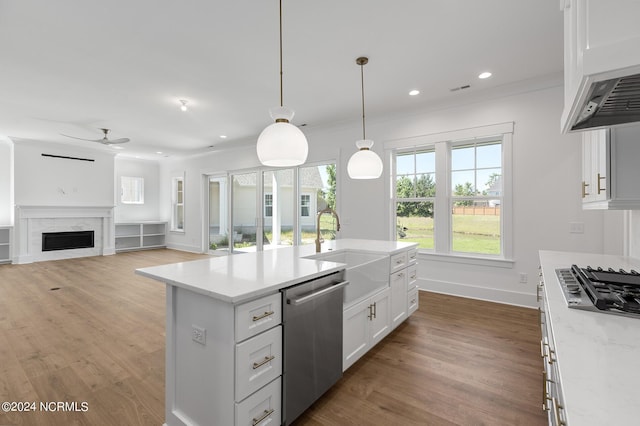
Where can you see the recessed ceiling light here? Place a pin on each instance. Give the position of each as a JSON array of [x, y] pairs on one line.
[[414, 92], [183, 107], [118, 147], [158, 152], [223, 136], [484, 75]]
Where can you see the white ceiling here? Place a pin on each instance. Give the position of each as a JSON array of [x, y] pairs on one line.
[[74, 66]]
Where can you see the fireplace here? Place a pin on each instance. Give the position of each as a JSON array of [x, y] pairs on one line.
[[62, 232], [67, 240]]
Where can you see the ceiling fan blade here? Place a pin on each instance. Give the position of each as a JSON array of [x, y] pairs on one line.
[[116, 141], [82, 139]]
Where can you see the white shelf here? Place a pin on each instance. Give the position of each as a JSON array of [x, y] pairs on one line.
[[140, 235], [5, 244]]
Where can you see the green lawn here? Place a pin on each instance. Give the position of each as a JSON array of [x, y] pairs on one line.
[[471, 234]]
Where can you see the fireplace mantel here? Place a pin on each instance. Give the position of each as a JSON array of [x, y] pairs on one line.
[[31, 221]]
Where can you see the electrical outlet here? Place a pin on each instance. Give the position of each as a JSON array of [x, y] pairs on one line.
[[198, 334], [576, 227], [523, 277]]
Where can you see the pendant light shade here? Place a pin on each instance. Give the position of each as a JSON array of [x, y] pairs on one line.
[[282, 144], [364, 164]]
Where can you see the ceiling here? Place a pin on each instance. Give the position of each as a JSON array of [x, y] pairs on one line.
[[73, 67]]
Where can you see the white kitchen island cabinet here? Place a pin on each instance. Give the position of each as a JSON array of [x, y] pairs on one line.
[[224, 333]]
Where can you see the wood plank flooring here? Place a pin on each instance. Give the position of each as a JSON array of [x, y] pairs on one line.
[[99, 339]]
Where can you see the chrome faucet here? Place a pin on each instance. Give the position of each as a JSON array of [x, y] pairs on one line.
[[320, 213]]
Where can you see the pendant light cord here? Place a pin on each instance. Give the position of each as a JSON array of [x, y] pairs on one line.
[[362, 81], [281, 96]]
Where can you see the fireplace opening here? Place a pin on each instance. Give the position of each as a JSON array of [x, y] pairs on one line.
[[67, 240]]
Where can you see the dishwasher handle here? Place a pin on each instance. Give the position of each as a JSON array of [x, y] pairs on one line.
[[317, 294]]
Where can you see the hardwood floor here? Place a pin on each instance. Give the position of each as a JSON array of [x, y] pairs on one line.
[[91, 331]]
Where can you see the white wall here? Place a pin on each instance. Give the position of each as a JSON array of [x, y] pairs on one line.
[[150, 171], [6, 181], [46, 181]]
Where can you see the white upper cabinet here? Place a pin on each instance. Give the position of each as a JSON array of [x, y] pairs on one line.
[[610, 172], [601, 42]]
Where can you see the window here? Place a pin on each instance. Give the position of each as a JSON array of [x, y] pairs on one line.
[[476, 185], [268, 205], [465, 214], [305, 205], [177, 203], [317, 192], [132, 190]]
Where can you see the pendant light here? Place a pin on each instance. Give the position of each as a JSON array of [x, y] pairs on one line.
[[282, 144], [364, 164]]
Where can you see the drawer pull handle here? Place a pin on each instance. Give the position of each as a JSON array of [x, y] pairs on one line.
[[266, 359], [264, 415], [413, 301], [259, 317], [413, 277], [398, 262]]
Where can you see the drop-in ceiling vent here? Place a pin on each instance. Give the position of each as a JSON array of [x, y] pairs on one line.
[[624, 99], [455, 89]]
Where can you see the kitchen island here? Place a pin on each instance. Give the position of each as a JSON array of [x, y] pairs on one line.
[[596, 354], [224, 333]]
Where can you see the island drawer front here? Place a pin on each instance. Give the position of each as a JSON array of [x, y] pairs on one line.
[[257, 316], [258, 361], [412, 301], [412, 272], [412, 256], [263, 407], [398, 261]]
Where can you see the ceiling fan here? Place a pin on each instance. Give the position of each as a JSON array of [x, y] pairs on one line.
[[105, 140]]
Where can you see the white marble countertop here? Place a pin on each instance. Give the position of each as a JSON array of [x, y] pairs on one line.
[[242, 277], [597, 354]]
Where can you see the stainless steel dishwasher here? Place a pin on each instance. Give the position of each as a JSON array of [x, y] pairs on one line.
[[312, 340]]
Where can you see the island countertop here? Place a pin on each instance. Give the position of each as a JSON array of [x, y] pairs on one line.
[[241, 277], [596, 353]]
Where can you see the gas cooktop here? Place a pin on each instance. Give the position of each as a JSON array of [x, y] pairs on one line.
[[601, 290]]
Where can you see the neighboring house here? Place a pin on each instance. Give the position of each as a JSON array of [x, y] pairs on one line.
[[496, 190], [278, 200]]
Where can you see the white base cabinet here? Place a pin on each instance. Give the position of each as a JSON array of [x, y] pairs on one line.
[[140, 235], [5, 244], [218, 373], [365, 324]]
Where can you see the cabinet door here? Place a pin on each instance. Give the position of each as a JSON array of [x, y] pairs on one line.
[[587, 167], [381, 321], [398, 297], [356, 324], [600, 164]]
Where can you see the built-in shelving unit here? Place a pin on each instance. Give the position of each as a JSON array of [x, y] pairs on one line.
[[140, 235], [5, 244]]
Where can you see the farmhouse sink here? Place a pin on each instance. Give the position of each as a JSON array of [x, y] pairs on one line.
[[366, 272]]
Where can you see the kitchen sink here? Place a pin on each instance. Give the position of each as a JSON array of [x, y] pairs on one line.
[[366, 272]]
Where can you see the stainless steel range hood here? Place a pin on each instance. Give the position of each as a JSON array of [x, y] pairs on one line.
[[610, 102]]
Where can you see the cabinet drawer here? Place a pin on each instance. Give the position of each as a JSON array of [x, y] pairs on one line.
[[258, 361], [398, 261], [412, 301], [261, 408], [257, 316], [412, 275], [412, 256]]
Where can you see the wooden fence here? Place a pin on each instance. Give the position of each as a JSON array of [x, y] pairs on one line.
[[477, 210]]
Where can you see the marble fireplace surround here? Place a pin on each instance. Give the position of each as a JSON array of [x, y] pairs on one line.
[[32, 221]]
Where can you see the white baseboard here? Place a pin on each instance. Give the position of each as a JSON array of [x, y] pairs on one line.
[[184, 247], [526, 300]]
